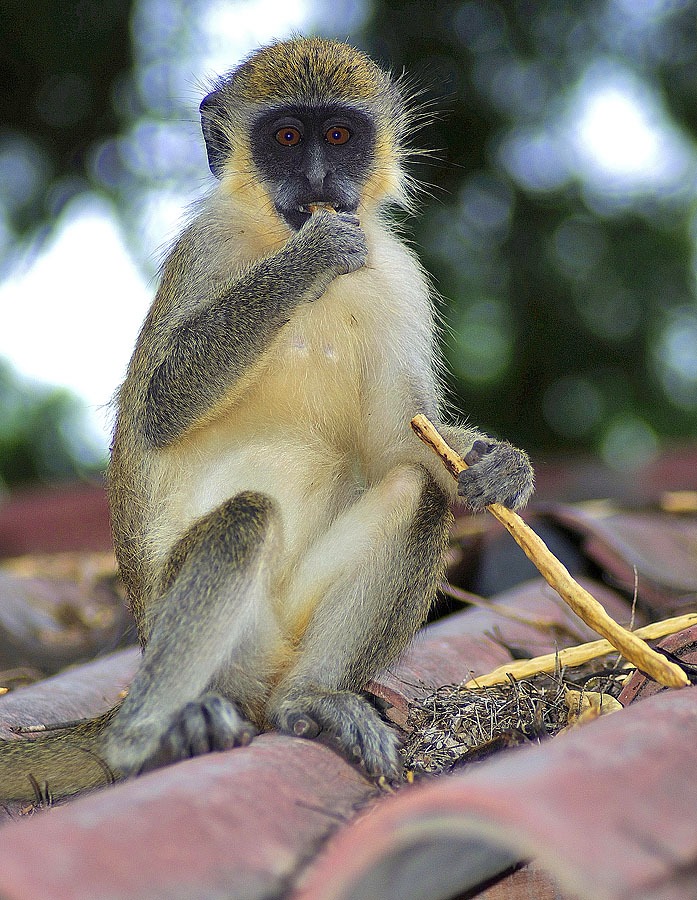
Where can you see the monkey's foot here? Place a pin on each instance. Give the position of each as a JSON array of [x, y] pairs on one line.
[[202, 726], [346, 722], [498, 473]]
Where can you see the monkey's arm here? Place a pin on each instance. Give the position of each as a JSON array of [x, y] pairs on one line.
[[194, 357]]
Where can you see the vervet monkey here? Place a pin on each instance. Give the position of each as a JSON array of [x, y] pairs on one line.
[[279, 528]]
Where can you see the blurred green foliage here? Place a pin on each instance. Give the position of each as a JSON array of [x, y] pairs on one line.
[[568, 276], [571, 310], [63, 66], [42, 433]]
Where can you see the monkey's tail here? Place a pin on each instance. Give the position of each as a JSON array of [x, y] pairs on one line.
[[55, 764]]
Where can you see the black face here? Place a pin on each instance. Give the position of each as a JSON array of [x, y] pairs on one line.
[[313, 155]]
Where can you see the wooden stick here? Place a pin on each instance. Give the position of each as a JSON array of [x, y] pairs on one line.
[[585, 606], [576, 656]]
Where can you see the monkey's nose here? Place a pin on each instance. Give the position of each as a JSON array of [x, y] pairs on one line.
[[316, 171]]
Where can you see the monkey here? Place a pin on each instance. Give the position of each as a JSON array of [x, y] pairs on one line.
[[279, 529]]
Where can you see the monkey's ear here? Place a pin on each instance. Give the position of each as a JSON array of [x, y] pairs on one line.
[[217, 145]]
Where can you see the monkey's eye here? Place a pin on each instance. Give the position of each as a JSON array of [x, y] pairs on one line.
[[288, 136], [337, 135]]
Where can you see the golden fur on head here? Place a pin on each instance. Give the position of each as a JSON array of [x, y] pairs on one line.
[[311, 70]]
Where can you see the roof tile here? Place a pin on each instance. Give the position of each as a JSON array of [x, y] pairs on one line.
[[224, 825], [662, 549]]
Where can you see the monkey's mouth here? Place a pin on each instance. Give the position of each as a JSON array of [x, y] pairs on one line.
[[296, 216], [320, 204]]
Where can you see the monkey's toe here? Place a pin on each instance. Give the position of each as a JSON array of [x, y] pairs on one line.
[[202, 726], [205, 725], [347, 723], [301, 725]]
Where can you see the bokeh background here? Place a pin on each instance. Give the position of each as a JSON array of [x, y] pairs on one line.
[[559, 221]]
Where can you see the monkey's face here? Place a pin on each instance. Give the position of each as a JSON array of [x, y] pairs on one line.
[[313, 155]]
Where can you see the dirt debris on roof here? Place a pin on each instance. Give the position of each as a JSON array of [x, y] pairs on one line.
[[454, 725]]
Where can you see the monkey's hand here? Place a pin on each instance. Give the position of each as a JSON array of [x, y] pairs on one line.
[[334, 242], [498, 473]]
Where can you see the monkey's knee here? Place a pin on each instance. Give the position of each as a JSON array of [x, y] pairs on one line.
[[401, 496], [234, 532], [239, 526], [403, 484]]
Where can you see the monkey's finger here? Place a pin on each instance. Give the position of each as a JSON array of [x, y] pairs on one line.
[[479, 450], [314, 207]]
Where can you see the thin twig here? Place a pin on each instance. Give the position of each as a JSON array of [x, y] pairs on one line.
[[576, 656], [556, 574], [546, 625], [51, 726]]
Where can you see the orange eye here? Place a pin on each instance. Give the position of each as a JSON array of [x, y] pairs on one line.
[[337, 135], [288, 136]]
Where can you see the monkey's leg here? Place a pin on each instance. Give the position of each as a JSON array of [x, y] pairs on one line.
[[369, 583], [214, 582]]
